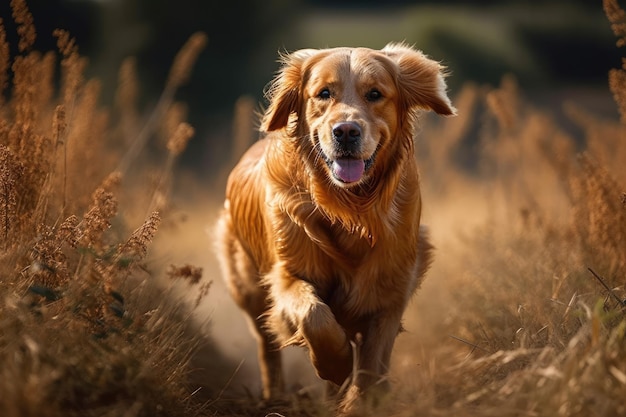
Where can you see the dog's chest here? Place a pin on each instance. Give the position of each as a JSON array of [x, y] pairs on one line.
[[372, 279], [352, 273]]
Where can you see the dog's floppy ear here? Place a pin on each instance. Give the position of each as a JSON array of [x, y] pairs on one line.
[[421, 80], [285, 90]]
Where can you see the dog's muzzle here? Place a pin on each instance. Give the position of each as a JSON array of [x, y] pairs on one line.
[[347, 168]]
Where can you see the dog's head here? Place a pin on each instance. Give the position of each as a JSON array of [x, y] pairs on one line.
[[354, 107]]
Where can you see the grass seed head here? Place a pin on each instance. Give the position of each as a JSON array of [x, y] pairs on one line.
[[185, 60], [25, 25]]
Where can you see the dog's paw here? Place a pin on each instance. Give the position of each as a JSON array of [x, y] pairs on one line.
[[335, 370], [371, 401], [329, 346]]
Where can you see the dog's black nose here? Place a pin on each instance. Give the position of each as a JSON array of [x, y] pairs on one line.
[[346, 132]]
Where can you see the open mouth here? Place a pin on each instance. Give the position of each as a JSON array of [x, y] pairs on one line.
[[349, 170]]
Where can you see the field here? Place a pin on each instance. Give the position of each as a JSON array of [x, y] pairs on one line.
[[111, 303]]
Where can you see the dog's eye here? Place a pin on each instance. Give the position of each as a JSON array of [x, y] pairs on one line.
[[373, 95], [324, 94]]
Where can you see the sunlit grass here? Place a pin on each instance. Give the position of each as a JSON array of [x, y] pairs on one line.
[[522, 312]]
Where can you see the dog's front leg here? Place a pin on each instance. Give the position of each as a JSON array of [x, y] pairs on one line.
[[309, 321], [375, 352], [371, 382]]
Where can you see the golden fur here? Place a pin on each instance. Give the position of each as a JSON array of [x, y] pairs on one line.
[[320, 238]]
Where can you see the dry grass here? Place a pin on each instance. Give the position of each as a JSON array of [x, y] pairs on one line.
[[84, 328], [532, 293], [522, 314]]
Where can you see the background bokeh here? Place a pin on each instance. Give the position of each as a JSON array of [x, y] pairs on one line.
[[557, 49]]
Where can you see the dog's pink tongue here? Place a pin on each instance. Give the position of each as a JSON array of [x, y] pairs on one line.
[[348, 170]]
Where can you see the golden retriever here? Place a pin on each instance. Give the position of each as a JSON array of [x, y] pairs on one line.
[[320, 239]]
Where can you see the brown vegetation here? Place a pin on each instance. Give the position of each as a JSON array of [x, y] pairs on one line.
[[82, 330], [521, 314]]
